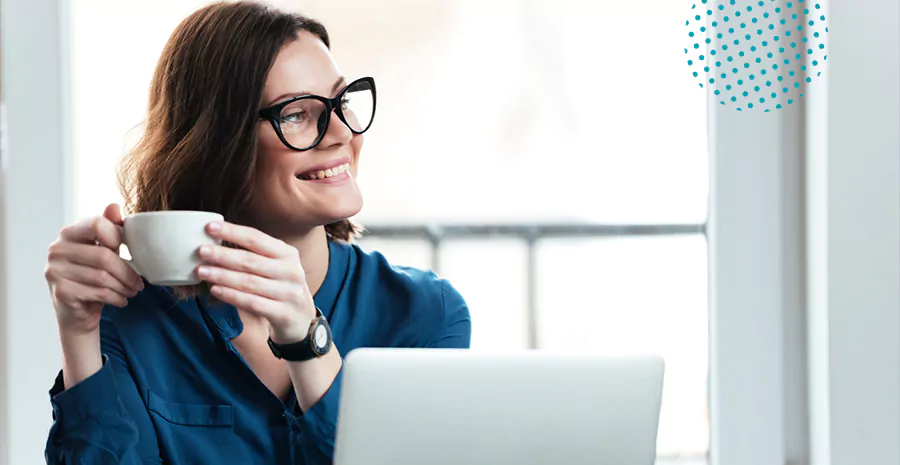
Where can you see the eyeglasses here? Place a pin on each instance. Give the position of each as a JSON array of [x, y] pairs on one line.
[[301, 122]]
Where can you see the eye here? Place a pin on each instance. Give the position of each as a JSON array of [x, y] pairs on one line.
[[345, 102], [293, 118]]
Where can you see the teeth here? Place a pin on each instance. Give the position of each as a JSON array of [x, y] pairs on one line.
[[322, 174]]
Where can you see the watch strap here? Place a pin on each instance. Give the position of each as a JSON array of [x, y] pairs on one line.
[[303, 350]]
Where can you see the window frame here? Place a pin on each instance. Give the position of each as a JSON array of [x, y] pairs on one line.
[[35, 173], [530, 234], [756, 230]]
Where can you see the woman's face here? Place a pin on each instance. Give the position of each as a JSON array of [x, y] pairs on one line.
[[286, 200]]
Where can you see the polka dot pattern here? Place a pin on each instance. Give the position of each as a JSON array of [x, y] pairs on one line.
[[759, 47]]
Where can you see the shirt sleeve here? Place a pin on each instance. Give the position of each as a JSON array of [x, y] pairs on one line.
[[313, 433], [456, 330], [101, 420]]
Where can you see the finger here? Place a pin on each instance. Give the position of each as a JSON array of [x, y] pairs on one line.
[[93, 277], [249, 238], [96, 257], [114, 214], [243, 260], [71, 292], [97, 229], [262, 306], [244, 282]]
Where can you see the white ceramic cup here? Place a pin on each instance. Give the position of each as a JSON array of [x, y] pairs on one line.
[[163, 245]]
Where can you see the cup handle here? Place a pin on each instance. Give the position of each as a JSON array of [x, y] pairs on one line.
[[130, 262]]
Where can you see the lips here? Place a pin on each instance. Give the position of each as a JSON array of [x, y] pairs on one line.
[[324, 173]]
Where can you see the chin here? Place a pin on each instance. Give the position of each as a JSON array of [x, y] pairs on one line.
[[286, 222], [347, 208]]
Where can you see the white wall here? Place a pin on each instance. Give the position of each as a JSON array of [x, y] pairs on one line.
[[33, 205], [854, 240]]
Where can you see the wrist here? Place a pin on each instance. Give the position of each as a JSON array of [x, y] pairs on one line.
[[295, 330], [79, 340], [77, 331], [81, 355], [75, 326], [316, 343]]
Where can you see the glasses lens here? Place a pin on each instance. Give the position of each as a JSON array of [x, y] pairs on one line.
[[358, 106], [301, 122]]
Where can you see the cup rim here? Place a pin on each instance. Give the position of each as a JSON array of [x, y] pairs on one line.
[[174, 212]]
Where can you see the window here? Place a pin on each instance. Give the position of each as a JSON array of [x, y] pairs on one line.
[[528, 150]]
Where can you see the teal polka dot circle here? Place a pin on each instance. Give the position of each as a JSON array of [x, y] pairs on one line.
[[761, 42]]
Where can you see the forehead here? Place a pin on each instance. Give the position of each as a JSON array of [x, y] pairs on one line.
[[303, 65]]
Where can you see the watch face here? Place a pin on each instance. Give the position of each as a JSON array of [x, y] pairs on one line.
[[320, 337]]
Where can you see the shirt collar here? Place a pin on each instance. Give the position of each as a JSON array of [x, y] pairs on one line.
[[220, 316], [338, 269]]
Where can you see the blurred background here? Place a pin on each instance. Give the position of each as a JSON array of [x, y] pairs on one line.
[[557, 162]]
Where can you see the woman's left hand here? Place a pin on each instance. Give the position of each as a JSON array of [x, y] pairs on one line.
[[266, 279]]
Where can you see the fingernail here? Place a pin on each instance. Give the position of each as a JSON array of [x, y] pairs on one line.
[[203, 272], [215, 226], [139, 285], [205, 251]]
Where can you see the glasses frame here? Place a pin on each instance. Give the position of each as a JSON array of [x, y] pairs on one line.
[[271, 114]]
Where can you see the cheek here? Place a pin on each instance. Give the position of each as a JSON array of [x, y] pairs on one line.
[[272, 157], [272, 163], [267, 140], [356, 144]]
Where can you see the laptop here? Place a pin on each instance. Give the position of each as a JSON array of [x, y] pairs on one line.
[[459, 407]]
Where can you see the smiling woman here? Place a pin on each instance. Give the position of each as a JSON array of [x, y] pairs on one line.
[[249, 117], [216, 153]]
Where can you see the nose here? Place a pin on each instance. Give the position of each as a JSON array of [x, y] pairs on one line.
[[336, 134]]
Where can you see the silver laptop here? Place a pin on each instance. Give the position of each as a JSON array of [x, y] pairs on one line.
[[459, 407]]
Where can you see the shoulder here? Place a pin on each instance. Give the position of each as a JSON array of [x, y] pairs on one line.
[[420, 296], [401, 282]]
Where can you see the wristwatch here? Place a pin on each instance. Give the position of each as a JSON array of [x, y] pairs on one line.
[[316, 344]]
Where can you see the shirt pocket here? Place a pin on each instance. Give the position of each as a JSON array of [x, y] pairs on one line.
[[195, 433], [191, 414]]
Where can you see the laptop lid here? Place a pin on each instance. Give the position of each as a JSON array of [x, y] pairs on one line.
[[460, 407]]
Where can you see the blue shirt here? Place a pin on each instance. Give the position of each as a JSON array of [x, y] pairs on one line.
[[173, 389]]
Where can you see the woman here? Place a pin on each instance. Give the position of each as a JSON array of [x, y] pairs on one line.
[[248, 117]]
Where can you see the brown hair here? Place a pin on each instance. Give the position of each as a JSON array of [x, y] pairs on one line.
[[198, 150]]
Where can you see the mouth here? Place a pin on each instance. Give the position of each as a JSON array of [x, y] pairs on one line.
[[332, 172]]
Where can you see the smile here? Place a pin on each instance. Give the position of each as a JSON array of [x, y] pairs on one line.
[[324, 174]]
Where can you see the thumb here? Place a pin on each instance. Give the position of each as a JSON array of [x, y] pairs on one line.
[[114, 214]]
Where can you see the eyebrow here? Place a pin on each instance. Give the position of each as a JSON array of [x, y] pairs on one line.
[[337, 84]]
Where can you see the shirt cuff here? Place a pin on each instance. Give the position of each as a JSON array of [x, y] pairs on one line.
[[88, 399]]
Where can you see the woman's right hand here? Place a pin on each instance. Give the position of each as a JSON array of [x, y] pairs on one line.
[[85, 272]]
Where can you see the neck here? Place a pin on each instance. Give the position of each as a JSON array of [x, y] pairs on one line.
[[314, 255]]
